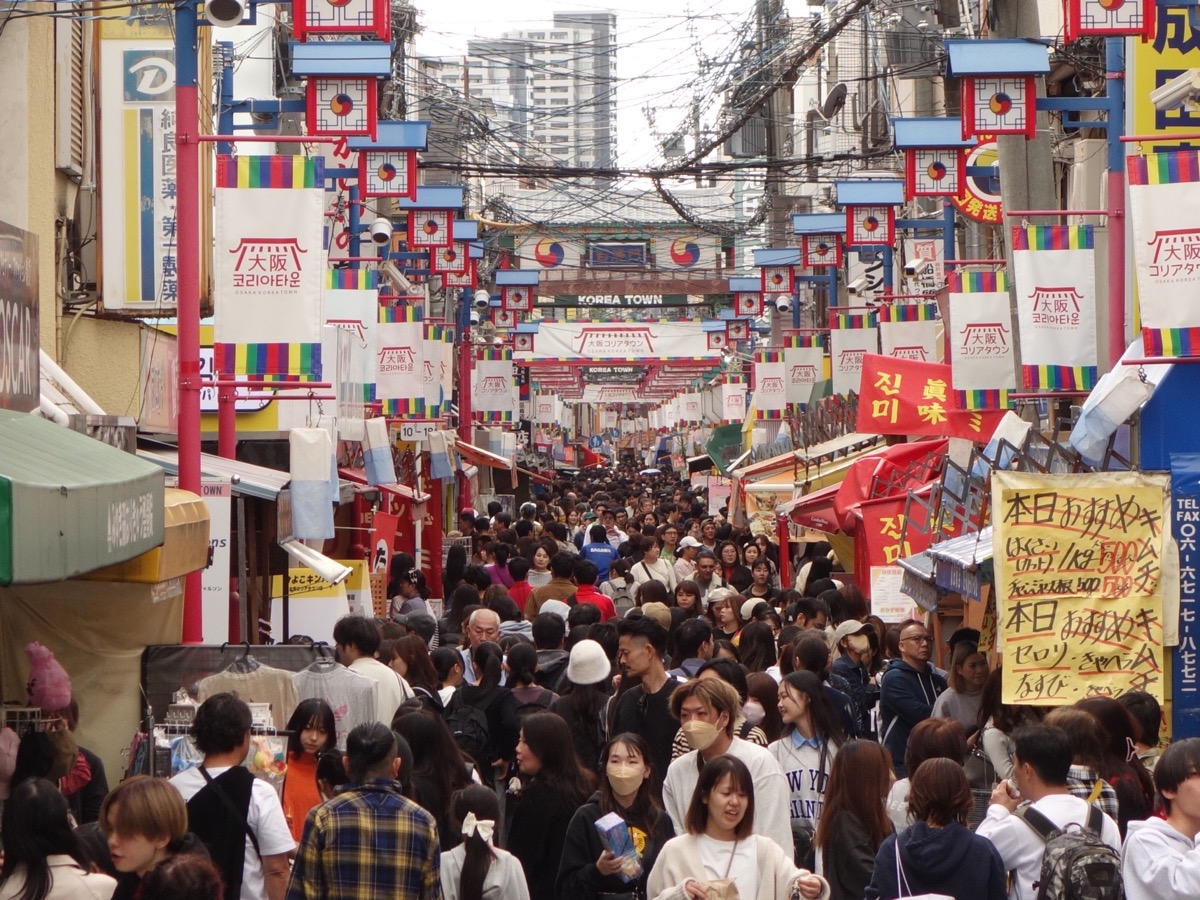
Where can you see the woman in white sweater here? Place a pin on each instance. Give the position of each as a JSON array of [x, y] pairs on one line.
[[720, 847], [652, 566], [475, 870]]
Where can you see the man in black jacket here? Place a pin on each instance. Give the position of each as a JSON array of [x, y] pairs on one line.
[[907, 691]]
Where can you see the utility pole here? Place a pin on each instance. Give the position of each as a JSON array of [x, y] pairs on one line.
[[777, 119], [1028, 167]]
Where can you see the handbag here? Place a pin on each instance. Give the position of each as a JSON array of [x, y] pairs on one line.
[[724, 888]]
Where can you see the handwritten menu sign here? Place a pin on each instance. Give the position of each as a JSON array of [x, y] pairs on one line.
[[1078, 562]]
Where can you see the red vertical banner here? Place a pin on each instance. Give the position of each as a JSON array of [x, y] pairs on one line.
[[383, 541]]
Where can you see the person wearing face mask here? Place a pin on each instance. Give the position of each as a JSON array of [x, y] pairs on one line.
[[707, 709], [587, 870]]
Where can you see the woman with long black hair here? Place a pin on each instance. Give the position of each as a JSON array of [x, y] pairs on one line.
[[497, 704], [311, 731], [555, 785], [854, 821], [439, 768], [587, 870], [43, 859], [805, 753], [475, 869], [584, 699]]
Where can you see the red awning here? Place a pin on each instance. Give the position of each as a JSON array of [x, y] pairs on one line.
[[832, 509], [477, 456], [359, 478], [816, 510]]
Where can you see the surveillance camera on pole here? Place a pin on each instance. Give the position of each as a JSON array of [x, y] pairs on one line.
[[1181, 90], [399, 281], [783, 303], [475, 317], [381, 231], [914, 268], [857, 287], [481, 300]]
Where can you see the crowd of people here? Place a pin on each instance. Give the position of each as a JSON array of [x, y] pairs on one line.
[[623, 700]]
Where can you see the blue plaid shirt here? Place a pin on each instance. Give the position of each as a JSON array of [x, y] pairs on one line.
[[368, 843]]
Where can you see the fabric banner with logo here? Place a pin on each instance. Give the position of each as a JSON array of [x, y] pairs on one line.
[[493, 387], [400, 362], [852, 336], [1079, 563], [981, 340], [432, 363], [351, 304], [904, 396], [545, 409], [1054, 271], [691, 408], [804, 366], [634, 341], [910, 331], [268, 267], [770, 393], [733, 400], [1164, 189]]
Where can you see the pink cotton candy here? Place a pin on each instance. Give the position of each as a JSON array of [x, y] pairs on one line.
[[49, 684]]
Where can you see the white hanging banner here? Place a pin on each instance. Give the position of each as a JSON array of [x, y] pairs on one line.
[[635, 341], [545, 409], [803, 367], [311, 464], [911, 331], [1054, 267], [1164, 192], [851, 338], [268, 267], [493, 388], [981, 339], [770, 390], [400, 361], [733, 402]]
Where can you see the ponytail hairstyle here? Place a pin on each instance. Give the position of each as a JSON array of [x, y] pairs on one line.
[[488, 659], [499, 552], [522, 665], [479, 855]]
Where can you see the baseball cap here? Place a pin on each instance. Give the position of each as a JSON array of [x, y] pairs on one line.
[[751, 606], [847, 628], [658, 612], [690, 541], [557, 607]]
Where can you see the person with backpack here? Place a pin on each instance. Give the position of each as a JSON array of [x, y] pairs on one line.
[[1058, 847], [521, 665], [483, 716]]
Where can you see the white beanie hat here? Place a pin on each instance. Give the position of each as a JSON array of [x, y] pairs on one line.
[[588, 663]]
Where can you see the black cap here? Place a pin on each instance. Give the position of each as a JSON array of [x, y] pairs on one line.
[[970, 635]]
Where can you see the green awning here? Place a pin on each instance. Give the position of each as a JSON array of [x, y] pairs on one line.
[[70, 504]]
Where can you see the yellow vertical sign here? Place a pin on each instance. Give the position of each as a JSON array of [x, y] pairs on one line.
[[1155, 62], [1078, 562]]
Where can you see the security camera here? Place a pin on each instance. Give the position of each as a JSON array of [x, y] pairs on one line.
[[1179, 91], [482, 299], [397, 278], [783, 303], [497, 341], [224, 13], [381, 231], [329, 569], [857, 286], [916, 267], [475, 317]]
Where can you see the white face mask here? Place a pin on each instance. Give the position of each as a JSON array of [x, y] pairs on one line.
[[754, 712]]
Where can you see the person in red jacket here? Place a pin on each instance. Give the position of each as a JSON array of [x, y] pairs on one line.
[[585, 592]]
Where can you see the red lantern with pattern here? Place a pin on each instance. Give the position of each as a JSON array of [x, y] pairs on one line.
[[870, 226], [777, 280], [747, 303], [819, 251], [430, 228], [1108, 18]]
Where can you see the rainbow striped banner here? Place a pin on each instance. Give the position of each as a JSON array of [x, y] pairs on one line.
[[268, 267], [908, 312], [850, 321], [269, 362], [982, 355], [977, 282], [1053, 237], [804, 340], [1054, 269], [1164, 189], [274, 172], [351, 280]]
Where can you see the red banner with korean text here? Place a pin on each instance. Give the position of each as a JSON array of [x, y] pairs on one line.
[[911, 397]]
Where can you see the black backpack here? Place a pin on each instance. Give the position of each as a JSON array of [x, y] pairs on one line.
[[540, 703], [469, 725], [1076, 864]]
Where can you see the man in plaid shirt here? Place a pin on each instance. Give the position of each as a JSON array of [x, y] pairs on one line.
[[369, 842]]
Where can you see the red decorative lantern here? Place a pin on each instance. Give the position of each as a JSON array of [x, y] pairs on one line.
[[430, 228], [777, 280], [342, 17], [1107, 18], [818, 251], [717, 340], [737, 330], [747, 303], [870, 226], [518, 297], [999, 84]]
